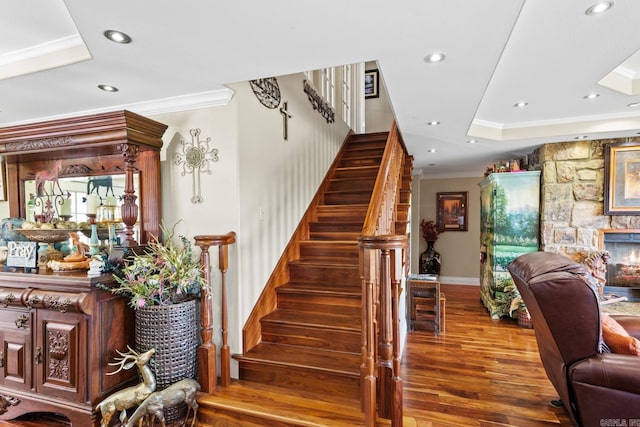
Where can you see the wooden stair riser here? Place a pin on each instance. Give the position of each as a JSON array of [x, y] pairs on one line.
[[360, 152], [302, 379], [359, 161], [335, 227], [323, 273], [311, 336], [347, 253], [211, 415], [346, 197], [337, 304], [351, 184], [370, 171], [335, 235], [342, 213]]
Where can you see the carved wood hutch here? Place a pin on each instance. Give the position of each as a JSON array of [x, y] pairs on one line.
[[58, 331]]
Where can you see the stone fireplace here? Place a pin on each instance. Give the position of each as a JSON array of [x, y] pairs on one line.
[[572, 206], [623, 270]]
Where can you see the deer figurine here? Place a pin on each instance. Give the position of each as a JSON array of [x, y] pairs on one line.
[[130, 396], [153, 406]]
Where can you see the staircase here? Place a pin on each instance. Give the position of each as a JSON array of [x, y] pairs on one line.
[[311, 342]]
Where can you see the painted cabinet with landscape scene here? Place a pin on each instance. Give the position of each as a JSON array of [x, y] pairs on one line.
[[509, 227]]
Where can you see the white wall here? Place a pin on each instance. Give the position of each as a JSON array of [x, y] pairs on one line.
[[378, 113], [459, 250], [260, 187]]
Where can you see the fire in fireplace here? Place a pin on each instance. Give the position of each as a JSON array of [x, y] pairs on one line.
[[623, 270]]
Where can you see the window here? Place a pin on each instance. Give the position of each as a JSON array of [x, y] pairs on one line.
[[328, 86], [347, 94]]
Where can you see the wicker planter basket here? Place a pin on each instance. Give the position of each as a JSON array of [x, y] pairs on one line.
[[173, 331], [524, 319]]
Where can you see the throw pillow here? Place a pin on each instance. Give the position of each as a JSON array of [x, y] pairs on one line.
[[617, 338]]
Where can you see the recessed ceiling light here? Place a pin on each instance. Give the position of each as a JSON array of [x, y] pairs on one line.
[[581, 137], [634, 104], [435, 57], [472, 141], [117, 36], [433, 123], [599, 7], [108, 88], [521, 104], [431, 150], [591, 96]]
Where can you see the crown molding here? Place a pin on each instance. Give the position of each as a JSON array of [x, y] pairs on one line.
[[216, 98], [52, 54]]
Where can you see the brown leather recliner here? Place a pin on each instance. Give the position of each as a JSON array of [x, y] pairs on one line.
[[595, 386]]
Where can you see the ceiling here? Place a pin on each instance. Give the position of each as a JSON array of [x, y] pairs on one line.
[[550, 54]]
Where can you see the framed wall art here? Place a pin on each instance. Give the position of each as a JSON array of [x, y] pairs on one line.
[[371, 84], [622, 178], [452, 211]]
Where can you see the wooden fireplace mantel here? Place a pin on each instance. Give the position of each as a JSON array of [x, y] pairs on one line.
[[118, 142]]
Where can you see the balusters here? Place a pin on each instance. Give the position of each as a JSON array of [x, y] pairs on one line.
[[207, 351], [381, 269]]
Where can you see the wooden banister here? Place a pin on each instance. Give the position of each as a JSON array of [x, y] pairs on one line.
[[207, 351], [382, 264]]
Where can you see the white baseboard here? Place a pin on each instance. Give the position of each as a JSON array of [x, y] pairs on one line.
[[452, 280]]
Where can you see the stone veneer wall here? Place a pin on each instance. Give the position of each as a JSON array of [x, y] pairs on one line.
[[572, 197]]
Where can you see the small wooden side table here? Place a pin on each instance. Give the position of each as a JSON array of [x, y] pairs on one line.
[[423, 303]]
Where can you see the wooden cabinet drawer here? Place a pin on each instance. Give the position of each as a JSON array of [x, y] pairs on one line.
[[11, 319]]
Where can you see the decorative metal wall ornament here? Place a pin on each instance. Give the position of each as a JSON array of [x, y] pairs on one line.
[[319, 104], [267, 91], [195, 159]]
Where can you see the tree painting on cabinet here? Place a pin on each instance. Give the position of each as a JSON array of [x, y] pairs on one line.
[[509, 215]]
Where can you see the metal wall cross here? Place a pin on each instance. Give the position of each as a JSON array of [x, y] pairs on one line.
[[285, 120]]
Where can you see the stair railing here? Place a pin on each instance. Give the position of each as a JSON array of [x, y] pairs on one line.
[[382, 263], [207, 367]]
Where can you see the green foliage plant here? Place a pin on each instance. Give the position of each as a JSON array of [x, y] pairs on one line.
[[164, 274]]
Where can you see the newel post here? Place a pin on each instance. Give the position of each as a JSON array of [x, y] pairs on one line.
[[381, 264], [207, 351]]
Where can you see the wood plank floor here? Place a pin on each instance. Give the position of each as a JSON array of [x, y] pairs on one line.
[[481, 372]]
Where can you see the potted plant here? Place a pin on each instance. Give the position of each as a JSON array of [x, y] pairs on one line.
[[163, 285], [430, 258]]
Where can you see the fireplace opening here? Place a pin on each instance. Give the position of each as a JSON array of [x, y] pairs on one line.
[[623, 270]]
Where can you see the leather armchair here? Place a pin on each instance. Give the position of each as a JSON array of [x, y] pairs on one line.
[[595, 386]]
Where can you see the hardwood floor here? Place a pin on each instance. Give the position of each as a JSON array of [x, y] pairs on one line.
[[480, 372]]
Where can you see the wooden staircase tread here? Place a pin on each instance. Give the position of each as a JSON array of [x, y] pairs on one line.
[[321, 320], [277, 405], [310, 358]]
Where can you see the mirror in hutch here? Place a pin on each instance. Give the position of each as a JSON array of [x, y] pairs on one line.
[[58, 331]]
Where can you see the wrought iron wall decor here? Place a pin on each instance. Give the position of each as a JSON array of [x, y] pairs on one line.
[[286, 115], [318, 103], [267, 91], [195, 159]]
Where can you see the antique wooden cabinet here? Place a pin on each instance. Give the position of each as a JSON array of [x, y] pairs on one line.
[[509, 227], [59, 331]]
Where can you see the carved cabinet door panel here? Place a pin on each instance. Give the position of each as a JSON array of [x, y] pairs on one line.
[[60, 354], [15, 357]]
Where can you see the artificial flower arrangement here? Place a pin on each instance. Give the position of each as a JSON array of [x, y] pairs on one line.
[[164, 274], [429, 230]]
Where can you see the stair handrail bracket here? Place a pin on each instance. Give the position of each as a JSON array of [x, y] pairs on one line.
[[382, 266]]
